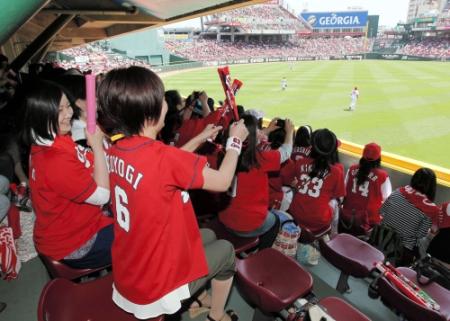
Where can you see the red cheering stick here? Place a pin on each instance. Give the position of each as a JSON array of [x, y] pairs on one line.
[[237, 84], [406, 286], [224, 74]]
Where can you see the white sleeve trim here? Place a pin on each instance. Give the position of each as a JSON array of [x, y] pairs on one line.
[[386, 189], [99, 197], [285, 152]]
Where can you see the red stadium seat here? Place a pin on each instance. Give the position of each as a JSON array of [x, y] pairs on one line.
[[57, 269], [352, 256], [63, 300], [411, 310], [241, 244], [272, 281], [340, 310]]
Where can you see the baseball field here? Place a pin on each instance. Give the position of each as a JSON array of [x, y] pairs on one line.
[[403, 106]]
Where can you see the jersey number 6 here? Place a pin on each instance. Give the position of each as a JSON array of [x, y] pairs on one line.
[[122, 213]]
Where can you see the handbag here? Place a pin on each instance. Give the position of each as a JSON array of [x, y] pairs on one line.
[[433, 270]]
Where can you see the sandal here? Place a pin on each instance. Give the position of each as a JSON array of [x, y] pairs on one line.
[[233, 316], [200, 309]]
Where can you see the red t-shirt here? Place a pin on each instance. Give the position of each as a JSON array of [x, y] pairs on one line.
[[157, 245], [60, 181], [248, 210], [367, 196], [192, 127], [310, 206], [275, 187]]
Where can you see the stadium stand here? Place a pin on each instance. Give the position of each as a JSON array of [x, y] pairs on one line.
[[93, 57], [435, 48]]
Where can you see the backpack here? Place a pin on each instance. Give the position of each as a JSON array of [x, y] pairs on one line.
[[287, 238], [388, 241], [433, 270]]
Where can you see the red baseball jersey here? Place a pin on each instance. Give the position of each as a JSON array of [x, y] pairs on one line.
[[299, 152], [248, 209], [310, 206], [367, 196], [157, 245], [60, 181], [276, 187]]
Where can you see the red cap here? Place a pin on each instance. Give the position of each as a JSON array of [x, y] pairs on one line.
[[372, 151]]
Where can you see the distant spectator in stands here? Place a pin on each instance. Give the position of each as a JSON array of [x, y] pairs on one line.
[[173, 121], [411, 212], [367, 186], [68, 183], [247, 214], [161, 236], [316, 182], [302, 143]]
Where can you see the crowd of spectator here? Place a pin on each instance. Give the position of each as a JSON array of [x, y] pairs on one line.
[[207, 50], [93, 57], [435, 48], [260, 17]]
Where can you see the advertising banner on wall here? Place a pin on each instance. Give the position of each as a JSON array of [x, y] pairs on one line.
[[328, 20]]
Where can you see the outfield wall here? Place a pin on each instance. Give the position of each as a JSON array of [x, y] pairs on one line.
[[369, 55]]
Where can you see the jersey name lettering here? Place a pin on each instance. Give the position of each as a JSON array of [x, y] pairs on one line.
[[126, 171]]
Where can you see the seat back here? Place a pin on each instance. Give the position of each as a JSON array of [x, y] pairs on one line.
[[57, 269], [63, 300]]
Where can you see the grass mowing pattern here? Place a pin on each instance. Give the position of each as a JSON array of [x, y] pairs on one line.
[[404, 106]]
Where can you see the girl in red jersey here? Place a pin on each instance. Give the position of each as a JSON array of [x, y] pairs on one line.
[[247, 214], [68, 183], [302, 143], [367, 187], [159, 253], [316, 182]]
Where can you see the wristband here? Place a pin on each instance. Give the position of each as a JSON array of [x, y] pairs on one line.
[[234, 143]]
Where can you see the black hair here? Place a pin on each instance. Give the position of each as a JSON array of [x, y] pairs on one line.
[[173, 119], [365, 166], [41, 108], [247, 159], [76, 89], [240, 109], [127, 98], [277, 137], [303, 136], [323, 143], [424, 181], [211, 104]]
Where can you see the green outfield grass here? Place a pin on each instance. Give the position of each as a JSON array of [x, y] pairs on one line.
[[404, 106]]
